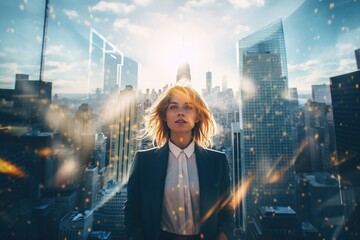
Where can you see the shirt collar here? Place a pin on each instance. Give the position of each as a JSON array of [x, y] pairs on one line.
[[189, 150]]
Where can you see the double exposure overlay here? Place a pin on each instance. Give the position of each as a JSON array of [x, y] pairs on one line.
[[280, 77]]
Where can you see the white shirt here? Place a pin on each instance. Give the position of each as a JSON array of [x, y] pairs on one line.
[[181, 212]]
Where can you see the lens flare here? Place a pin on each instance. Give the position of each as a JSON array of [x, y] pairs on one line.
[[66, 171], [234, 199], [45, 152], [273, 176], [241, 190], [10, 169]]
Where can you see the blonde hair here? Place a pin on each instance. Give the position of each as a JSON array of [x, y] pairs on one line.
[[156, 128]]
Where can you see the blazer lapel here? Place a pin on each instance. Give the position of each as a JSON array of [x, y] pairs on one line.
[[159, 169], [201, 156]]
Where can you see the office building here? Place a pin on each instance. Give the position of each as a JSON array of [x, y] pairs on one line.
[[91, 187], [321, 93], [345, 96], [76, 225], [208, 82], [123, 132], [272, 223], [100, 150], [315, 121], [100, 235], [109, 214], [320, 202], [265, 123]]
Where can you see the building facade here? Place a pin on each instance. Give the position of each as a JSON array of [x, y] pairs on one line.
[[266, 139]]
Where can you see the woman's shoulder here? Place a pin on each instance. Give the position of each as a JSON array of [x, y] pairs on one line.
[[149, 151], [212, 152]]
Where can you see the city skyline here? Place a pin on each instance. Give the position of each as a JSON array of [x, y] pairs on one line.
[[160, 36]]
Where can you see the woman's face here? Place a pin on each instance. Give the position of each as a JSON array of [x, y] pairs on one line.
[[181, 115]]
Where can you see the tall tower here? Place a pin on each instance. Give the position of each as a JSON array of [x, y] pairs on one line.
[[208, 82], [183, 73], [266, 142], [345, 96], [123, 143]]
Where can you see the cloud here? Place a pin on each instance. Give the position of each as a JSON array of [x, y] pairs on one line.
[[346, 65], [10, 30], [142, 2], [241, 29], [10, 67], [124, 23], [71, 13], [52, 12], [116, 7], [195, 4], [56, 50], [247, 3], [307, 66]]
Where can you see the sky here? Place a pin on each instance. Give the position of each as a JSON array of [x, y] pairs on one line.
[[157, 34]]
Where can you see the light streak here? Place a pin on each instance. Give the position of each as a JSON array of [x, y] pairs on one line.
[[10, 169]]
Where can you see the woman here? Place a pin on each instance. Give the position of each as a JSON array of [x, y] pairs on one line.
[[180, 189]]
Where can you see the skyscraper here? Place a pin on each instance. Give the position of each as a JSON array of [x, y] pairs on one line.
[[183, 73], [266, 142], [345, 96], [321, 93], [208, 82], [123, 142]]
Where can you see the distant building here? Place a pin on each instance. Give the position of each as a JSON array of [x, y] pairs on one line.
[[321, 94], [100, 150], [91, 187], [315, 120], [183, 73], [109, 214], [320, 202], [27, 103], [208, 82], [124, 126], [224, 84], [271, 223], [76, 226], [83, 122], [100, 235]]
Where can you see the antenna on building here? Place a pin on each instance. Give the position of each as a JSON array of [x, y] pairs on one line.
[[43, 45]]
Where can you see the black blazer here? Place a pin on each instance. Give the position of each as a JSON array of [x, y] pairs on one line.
[[143, 208]]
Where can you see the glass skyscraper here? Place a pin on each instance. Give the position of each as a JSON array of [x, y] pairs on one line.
[[266, 139]]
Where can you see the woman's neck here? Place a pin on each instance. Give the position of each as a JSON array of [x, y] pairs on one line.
[[180, 140]]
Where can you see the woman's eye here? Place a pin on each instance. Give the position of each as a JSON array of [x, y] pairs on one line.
[[173, 107], [188, 108]]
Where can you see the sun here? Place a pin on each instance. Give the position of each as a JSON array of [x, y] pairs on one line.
[[176, 43]]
